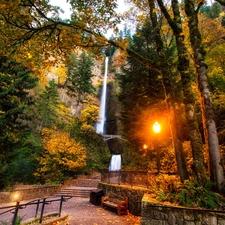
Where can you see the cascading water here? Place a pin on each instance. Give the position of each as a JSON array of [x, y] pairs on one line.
[[101, 122], [115, 163]]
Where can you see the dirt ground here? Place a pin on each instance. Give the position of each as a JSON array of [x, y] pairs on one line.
[[79, 211]]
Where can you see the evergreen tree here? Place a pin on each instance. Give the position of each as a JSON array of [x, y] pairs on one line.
[[141, 91], [47, 104], [79, 83], [215, 10], [111, 49], [15, 83]]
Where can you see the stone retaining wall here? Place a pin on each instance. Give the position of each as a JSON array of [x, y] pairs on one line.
[[153, 213], [134, 195], [27, 192]]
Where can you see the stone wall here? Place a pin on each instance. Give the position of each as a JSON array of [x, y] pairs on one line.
[[154, 213], [134, 195], [27, 192]]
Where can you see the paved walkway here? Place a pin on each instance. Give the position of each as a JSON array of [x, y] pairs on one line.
[[80, 212]]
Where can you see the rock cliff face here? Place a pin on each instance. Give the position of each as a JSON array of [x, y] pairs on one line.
[[112, 125], [112, 104], [112, 119], [71, 101]]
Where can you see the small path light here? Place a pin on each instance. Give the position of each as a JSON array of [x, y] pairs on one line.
[[145, 146], [157, 128], [16, 197]]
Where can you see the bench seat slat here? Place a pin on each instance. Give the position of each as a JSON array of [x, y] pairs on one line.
[[112, 204], [120, 203]]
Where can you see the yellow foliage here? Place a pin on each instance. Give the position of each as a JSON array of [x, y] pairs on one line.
[[155, 10], [120, 59], [62, 153], [165, 28], [61, 72]]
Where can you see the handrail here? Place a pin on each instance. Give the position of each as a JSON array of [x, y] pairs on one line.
[[43, 201], [129, 177]]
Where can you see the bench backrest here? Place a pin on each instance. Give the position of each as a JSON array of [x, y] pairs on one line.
[[115, 197]]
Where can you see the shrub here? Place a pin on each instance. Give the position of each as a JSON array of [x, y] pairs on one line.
[[191, 194]]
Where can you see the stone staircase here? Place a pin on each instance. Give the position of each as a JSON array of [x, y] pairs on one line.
[[81, 187]]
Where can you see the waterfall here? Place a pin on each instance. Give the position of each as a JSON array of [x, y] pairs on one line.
[[101, 122], [115, 163]]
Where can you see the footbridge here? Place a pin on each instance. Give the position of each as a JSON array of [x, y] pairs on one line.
[[107, 137]]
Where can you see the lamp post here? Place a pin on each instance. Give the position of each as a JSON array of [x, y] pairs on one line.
[[157, 128], [16, 196]]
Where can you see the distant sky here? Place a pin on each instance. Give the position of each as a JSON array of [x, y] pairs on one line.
[[66, 7], [121, 8]]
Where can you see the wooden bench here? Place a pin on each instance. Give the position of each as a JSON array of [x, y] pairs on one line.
[[116, 203]]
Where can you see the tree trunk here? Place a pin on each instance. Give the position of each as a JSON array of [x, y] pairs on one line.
[[169, 95], [189, 99], [210, 132]]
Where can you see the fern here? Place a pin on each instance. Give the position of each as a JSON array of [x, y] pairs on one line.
[[161, 195], [193, 194]]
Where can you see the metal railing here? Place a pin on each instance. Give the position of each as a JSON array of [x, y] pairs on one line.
[[42, 201], [129, 177]]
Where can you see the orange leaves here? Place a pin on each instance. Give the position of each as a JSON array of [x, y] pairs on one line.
[[61, 72], [61, 153], [120, 59]]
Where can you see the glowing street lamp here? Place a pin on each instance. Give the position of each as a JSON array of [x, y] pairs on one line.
[[157, 128]]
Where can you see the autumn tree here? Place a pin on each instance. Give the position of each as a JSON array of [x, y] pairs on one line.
[[61, 158], [29, 21], [169, 95], [175, 23], [83, 129], [212, 31], [210, 131], [61, 72], [37, 27]]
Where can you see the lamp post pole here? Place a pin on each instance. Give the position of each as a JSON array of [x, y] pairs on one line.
[[157, 128]]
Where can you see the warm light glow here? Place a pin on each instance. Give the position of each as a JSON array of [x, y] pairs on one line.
[[15, 196], [145, 146], [156, 127]]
